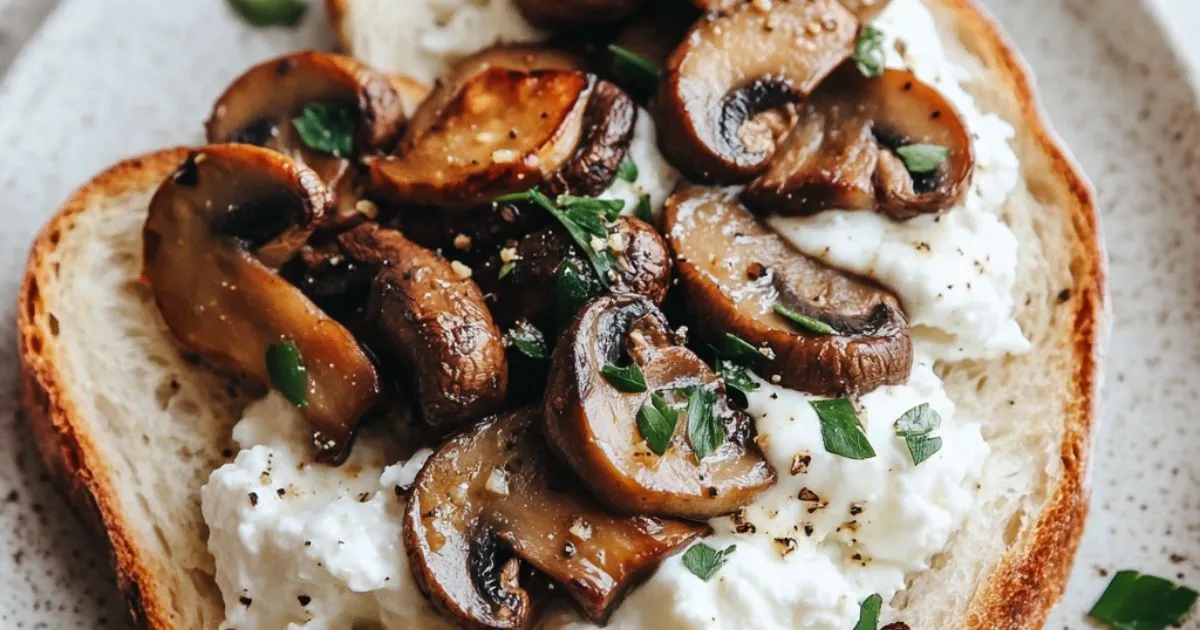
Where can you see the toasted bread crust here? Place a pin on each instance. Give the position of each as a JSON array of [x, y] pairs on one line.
[[1031, 579], [1019, 592], [75, 465]]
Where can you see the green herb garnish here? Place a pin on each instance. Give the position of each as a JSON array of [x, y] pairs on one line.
[[921, 159], [627, 379], [738, 349], [644, 211], [704, 561], [506, 269], [656, 422], [627, 170], [868, 52], [841, 430], [327, 129], [640, 74], [271, 12], [581, 224], [1134, 601], [915, 426], [286, 368], [868, 613], [705, 433], [607, 209], [573, 288], [738, 382], [815, 326], [528, 340]]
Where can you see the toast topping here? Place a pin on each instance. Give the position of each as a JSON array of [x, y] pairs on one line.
[[710, 465], [215, 235]]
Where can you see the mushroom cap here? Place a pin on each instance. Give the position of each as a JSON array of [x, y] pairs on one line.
[[608, 124], [593, 426], [495, 496], [433, 324], [719, 100], [842, 154], [734, 271], [259, 108], [505, 131], [216, 231]]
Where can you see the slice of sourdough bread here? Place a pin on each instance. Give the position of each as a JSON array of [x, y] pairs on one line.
[[130, 426]]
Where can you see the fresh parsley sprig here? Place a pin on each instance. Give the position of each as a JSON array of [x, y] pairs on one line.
[[1134, 601], [656, 422], [704, 561], [640, 74], [922, 159], [841, 431], [627, 170], [810, 324], [271, 12], [573, 288], [868, 613], [528, 340], [327, 129], [738, 383], [868, 52], [286, 368], [582, 224], [705, 431], [915, 426], [627, 379]]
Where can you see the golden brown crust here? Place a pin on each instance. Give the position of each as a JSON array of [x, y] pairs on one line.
[[77, 468], [1028, 582]]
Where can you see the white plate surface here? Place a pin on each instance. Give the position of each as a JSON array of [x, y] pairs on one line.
[[107, 79]]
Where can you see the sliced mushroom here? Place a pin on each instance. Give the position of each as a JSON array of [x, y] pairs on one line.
[[217, 229], [725, 94], [592, 424], [493, 498], [527, 290], [843, 155], [865, 10], [505, 131], [427, 318], [565, 13], [608, 123], [518, 57], [260, 108], [735, 271]]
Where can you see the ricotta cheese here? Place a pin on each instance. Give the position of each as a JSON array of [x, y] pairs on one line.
[[656, 177], [832, 531], [423, 38], [299, 544], [955, 272]]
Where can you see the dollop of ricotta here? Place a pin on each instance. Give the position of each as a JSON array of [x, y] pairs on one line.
[[833, 530], [426, 37], [953, 272], [656, 177], [299, 544]]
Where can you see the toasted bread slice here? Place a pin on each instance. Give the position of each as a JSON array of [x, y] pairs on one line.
[[130, 426]]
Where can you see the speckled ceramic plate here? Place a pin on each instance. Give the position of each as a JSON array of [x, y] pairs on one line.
[[104, 80]]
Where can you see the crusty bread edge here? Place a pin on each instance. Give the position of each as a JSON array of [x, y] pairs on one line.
[[75, 464], [1019, 593], [1030, 580]]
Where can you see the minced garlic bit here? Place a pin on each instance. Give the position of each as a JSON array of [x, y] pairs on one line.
[[617, 241], [785, 545], [504, 156], [762, 5], [497, 482], [367, 208], [775, 378], [460, 270], [800, 463], [463, 242], [581, 529], [599, 244], [509, 254]]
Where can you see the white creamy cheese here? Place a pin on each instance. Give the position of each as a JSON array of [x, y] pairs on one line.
[[955, 272], [804, 563], [656, 177], [299, 544], [423, 38]]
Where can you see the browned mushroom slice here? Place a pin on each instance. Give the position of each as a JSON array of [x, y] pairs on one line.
[[608, 123], [591, 421], [563, 13], [517, 57], [269, 104], [521, 282], [215, 231], [821, 330], [504, 132], [495, 497], [847, 152], [864, 10], [431, 320], [726, 91]]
